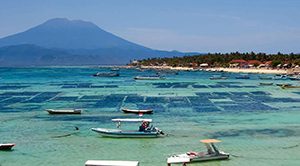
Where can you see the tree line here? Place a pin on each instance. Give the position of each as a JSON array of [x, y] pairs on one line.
[[223, 60]]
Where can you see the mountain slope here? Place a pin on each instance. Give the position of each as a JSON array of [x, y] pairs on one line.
[[64, 38]]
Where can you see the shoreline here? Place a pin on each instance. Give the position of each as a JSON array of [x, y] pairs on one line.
[[220, 69]]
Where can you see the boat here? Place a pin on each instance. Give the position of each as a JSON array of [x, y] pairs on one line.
[[72, 111], [125, 110], [106, 74], [144, 131], [280, 77], [7, 146], [266, 83], [265, 77], [212, 153], [243, 76], [218, 77], [154, 77], [295, 77], [111, 163], [115, 69], [289, 86], [283, 84]]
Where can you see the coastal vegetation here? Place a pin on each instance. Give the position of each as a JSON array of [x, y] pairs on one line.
[[224, 60]]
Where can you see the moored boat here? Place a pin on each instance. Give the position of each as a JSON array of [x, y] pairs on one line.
[[280, 77], [289, 86], [243, 76], [106, 74], [218, 77], [265, 77], [71, 111], [295, 77], [212, 153], [154, 77], [266, 83], [144, 131], [148, 111], [7, 146]]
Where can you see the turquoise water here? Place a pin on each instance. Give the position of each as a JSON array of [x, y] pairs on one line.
[[259, 125]]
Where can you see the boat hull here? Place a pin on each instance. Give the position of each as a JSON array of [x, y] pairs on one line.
[[137, 111], [125, 134], [6, 146], [55, 112]]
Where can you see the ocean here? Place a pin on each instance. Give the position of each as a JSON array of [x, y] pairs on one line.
[[258, 125]]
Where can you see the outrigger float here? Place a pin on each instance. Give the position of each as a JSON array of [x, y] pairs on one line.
[[212, 154], [144, 131]]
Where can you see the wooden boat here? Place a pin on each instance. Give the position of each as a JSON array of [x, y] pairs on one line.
[[212, 153], [142, 132], [111, 163], [73, 111], [137, 111], [7, 146], [218, 77], [155, 77], [243, 76], [266, 83], [106, 74]]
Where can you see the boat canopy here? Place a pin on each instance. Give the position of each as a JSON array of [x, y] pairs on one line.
[[207, 141], [131, 120]]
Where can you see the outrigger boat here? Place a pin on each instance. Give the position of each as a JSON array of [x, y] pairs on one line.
[[106, 74], [154, 77], [212, 154], [7, 146], [144, 131], [218, 77], [73, 111], [125, 110]]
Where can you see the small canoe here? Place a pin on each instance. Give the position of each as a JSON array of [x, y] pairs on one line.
[[74, 111], [6, 146], [137, 111]]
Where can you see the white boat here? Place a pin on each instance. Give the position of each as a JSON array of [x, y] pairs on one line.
[[7, 146], [72, 111], [125, 110], [212, 153], [111, 163], [154, 77], [106, 74], [144, 131]]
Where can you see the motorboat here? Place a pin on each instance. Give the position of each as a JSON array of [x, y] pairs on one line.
[[148, 111], [7, 146], [150, 77], [243, 76], [71, 111], [212, 153], [280, 77], [266, 83], [106, 74], [218, 77], [144, 131]]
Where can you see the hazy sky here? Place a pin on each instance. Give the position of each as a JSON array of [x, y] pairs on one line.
[[184, 25]]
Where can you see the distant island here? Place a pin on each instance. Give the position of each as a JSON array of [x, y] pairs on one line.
[[221, 61]]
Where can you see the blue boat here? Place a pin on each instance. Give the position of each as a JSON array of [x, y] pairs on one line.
[[144, 130]]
